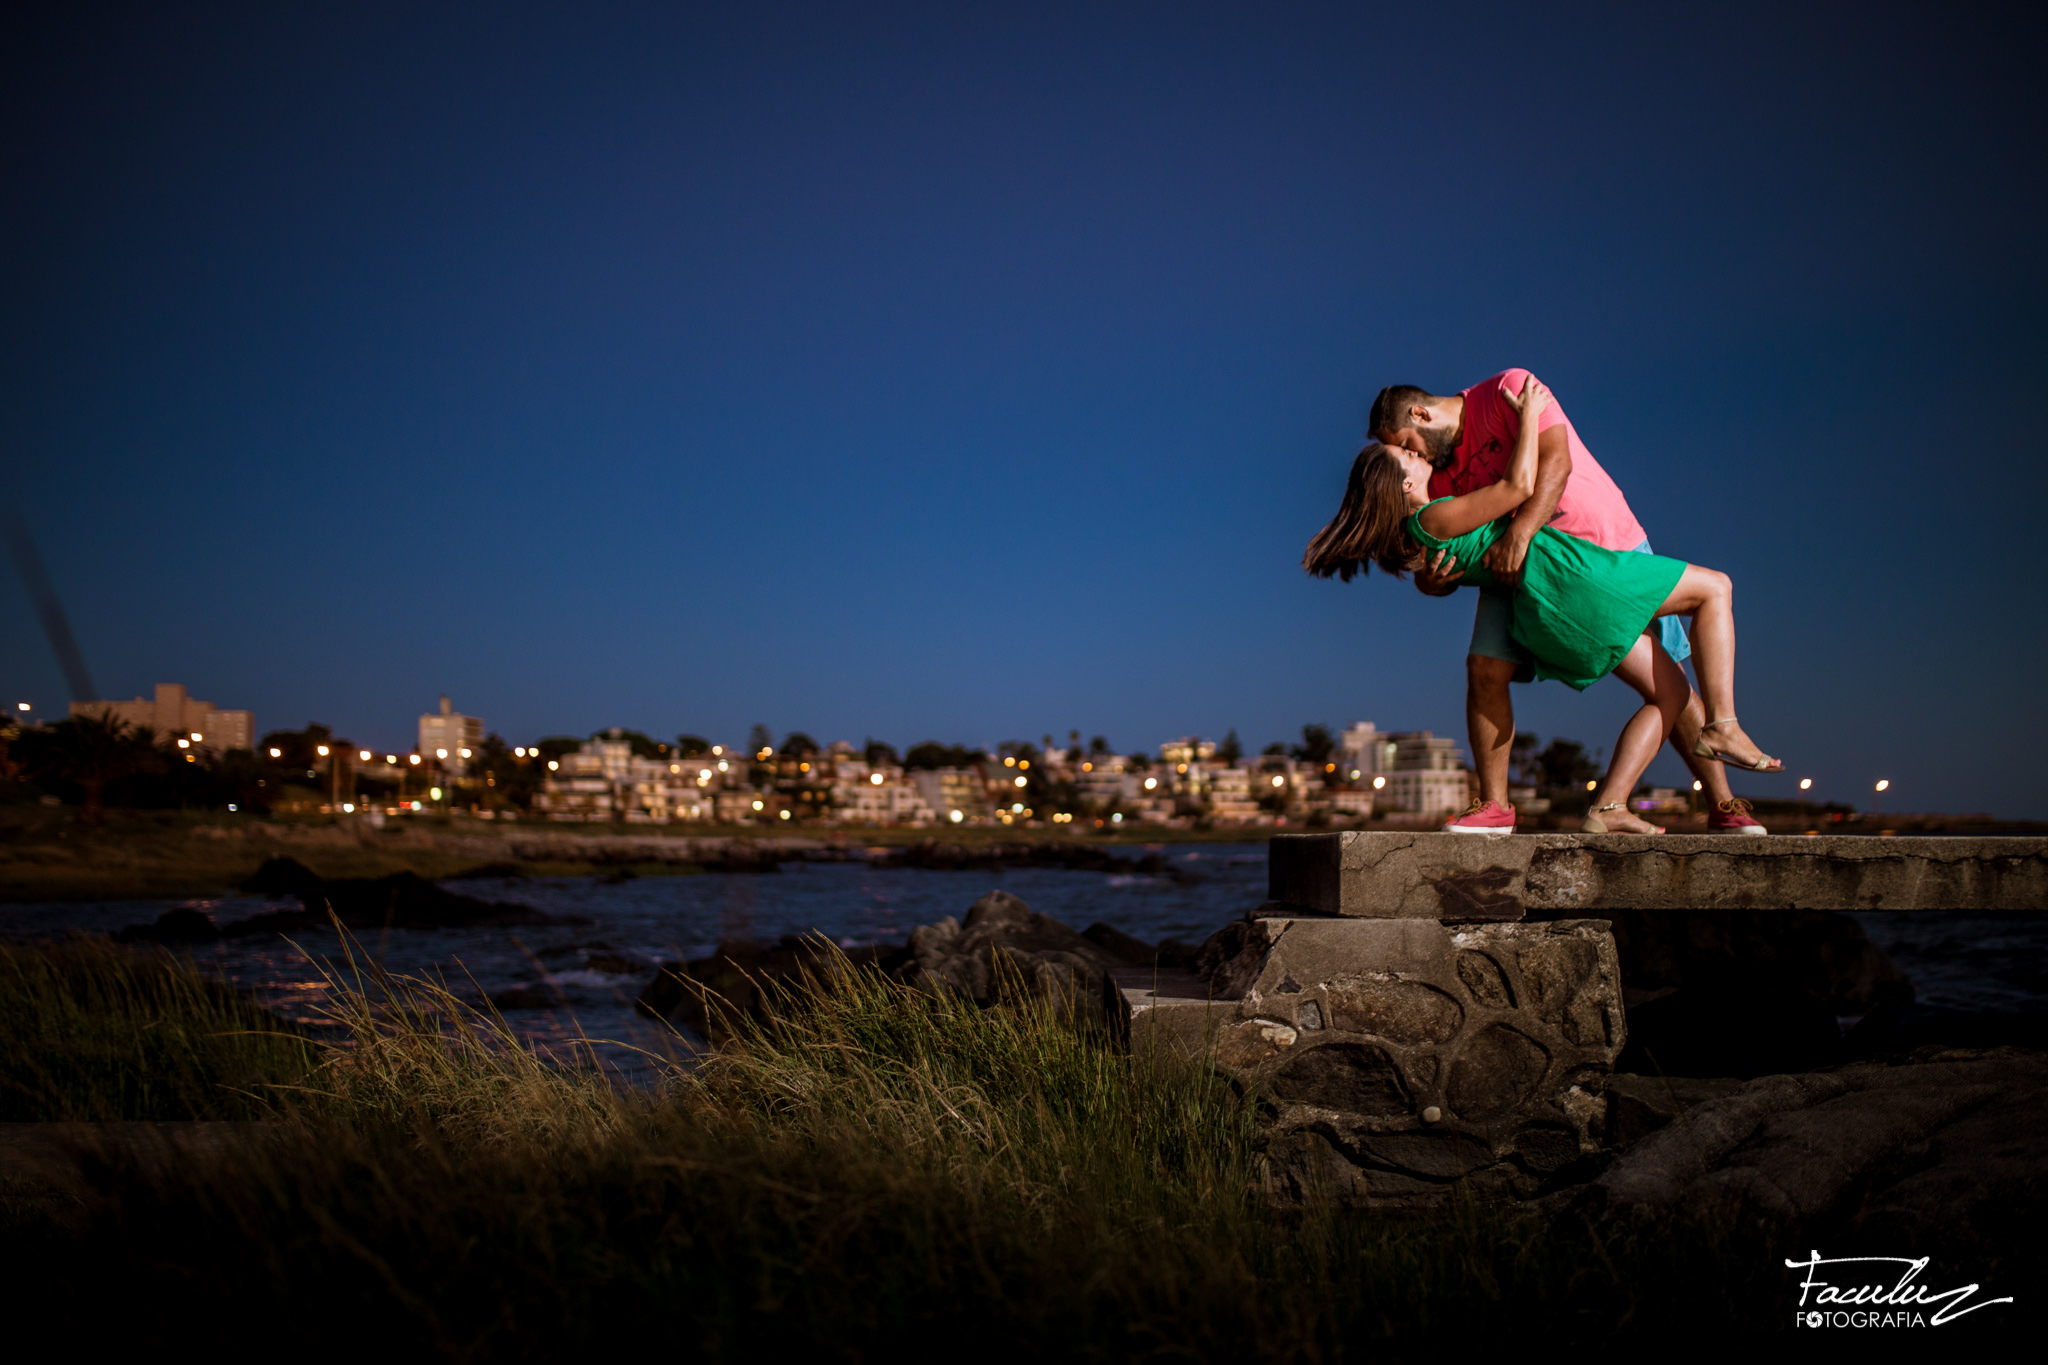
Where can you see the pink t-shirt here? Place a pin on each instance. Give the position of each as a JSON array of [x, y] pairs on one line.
[[1592, 507]]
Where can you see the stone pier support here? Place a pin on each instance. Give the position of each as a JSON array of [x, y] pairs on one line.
[[1418, 1010]]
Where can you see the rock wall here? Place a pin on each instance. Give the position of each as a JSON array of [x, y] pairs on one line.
[[1400, 1056]]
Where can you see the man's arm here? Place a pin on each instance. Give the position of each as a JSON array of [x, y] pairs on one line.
[[1553, 469]]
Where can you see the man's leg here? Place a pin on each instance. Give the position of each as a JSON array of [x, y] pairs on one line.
[[1490, 722], [1491, 663]]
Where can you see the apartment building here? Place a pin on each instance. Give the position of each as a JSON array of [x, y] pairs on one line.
[[450, 737], [172, 714]]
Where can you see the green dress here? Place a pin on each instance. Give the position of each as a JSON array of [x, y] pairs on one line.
[[1580, 608]]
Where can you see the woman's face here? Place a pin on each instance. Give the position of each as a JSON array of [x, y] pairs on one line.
[[1415, 472]]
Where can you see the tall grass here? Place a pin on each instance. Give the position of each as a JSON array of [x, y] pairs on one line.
[[91, 1031], [871, 1172]]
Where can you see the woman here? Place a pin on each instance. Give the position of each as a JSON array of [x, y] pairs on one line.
[[1581, 610]]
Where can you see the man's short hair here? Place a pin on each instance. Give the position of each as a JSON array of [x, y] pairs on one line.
[[1390, 409]]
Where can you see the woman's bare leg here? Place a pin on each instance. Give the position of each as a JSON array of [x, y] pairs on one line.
[[1661, 684], [1708, 596]]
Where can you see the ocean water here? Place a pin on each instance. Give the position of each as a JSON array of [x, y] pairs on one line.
[[591, 972]]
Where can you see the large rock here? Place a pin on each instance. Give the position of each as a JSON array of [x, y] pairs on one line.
[[746, 981], [1002, 950], [1399, 1057], [1005, 946], [1942, 1153], [1378, 874]]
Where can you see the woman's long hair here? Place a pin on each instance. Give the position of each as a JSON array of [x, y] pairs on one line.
[[1368, 528]]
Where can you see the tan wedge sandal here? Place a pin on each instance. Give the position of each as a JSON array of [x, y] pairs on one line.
[[1701, 749], [1593, 824]]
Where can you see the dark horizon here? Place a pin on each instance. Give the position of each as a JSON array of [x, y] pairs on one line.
[[915, 374]]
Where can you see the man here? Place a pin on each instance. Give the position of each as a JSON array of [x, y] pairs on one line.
[[1468, 438]]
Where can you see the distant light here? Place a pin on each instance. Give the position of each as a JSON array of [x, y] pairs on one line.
[[415, 805], [1150, 783], [440, 753], [759, 806], [1883, 783], [196, 736], [1009, 762], [464, 752], [1022, 764], [875, 778], [704, 774], [1378, 782], [1696, 784], [955, 816], [552, 765], [1087, 767], [1806, 784], [434, 793], [1017, 808], [716, 750], [1356, 774], [184, 744], [675, 767], [721, 765], [322, 751], [1592, 786], [391, 758], [784, 814], [412, 758], [803, 767], [21, 706], [277, 753], [363, 754], [231, 807], [1329, 767], [1278, 780], [347, 808], [1117, 819], [1022, 781], [1181, 768]]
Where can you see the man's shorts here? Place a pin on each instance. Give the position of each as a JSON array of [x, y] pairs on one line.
[[1491, 624]]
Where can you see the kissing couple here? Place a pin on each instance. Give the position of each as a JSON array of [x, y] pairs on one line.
[[1491, 488]]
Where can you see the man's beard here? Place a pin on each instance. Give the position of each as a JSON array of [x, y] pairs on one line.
[[1440, 445]]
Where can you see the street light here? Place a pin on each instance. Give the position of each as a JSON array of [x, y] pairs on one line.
[[1806, 784], [1378, 783]]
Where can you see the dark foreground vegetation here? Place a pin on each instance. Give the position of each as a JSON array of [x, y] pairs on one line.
[[869, 1174]]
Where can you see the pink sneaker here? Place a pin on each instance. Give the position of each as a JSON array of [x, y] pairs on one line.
[[1732, 817], [1483, 817]]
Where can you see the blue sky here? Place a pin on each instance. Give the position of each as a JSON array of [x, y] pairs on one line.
[[976, 372]]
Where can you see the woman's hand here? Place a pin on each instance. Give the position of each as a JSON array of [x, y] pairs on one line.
[[1531, 401]]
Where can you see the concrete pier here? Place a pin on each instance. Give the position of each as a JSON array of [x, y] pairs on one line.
[[1465, 877]]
